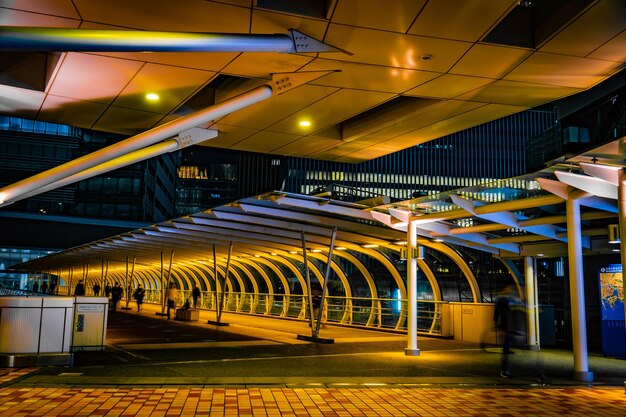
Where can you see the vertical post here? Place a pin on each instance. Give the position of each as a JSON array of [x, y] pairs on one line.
[[532, 310], [163, 289], [307, 276], [221, 308], [169, 268], [217, 283], [70, 280], [621, 206], [577, 290], [411, 261], [325, 285]]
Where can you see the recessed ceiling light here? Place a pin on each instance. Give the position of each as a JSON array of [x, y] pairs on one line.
[[305, 123], [369, 245], [152, 96]]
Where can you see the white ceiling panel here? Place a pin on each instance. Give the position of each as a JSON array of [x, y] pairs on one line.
[[173, 85], [262, 64], [229, 135], [330, 110], [454, 124], [425, 117], [92, 77], [518, 93], [394, 49], [126, 121], [269, 112], [613, 50], [264, 21], [70, 111], [19, 101], [305, 146], [394, 16], [368, 77], [165, 15], [561, 70], [12, 17], [596, 26], [489, 61], [448, 86], [265, 141], [450, 19]]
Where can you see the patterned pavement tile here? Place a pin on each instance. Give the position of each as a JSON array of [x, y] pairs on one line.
[[322, 402]]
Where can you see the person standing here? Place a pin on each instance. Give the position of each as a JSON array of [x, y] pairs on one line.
[[44, 287], [507, 324], [195, 294], [172, 295], [96, 289], [36, 286], [116, 295], [79, 290], [107, 290], [138, 296]]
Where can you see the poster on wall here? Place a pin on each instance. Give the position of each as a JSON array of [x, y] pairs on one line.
[[612, 310]]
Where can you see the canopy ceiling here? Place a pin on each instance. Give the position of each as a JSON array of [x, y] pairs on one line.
[[415, 69]]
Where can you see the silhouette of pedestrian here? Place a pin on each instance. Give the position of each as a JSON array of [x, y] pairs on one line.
[[96, 289], [36, 287], [172, 295], [44, 287], [116, 295], [138, 296], [195, 294], [79, 290], [508, 317]]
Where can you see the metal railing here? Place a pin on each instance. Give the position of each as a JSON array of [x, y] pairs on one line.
[[384, 313]]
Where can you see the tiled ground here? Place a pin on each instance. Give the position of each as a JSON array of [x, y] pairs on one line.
[[9, 374], [274, 402]]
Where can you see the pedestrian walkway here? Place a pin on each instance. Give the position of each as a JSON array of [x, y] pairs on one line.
[[257, 367]]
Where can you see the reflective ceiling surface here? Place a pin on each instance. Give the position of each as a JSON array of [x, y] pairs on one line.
[[433, 53]]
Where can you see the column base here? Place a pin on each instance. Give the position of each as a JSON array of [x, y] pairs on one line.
[[582, 376], [534, 348], [411, 352]]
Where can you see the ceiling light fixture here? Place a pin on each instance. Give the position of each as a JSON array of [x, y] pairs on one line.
[[293, 252], [152, 96], [370, 245], [305, 123]]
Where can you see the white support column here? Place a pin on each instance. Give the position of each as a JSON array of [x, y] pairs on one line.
[[411, 261], [532, 309], [621, 207], [577, 291]]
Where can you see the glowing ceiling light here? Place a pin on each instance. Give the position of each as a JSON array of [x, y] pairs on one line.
[[293, 252], [370, 245], [257, 256], [273, 254], [316, 250], [340, 248], [400, 242], [152, 96], [305, 123]]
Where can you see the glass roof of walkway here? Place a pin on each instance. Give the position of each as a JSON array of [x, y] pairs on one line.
[[523, 216]]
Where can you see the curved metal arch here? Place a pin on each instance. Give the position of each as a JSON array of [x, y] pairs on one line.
[[375, 308], [460, 262], [518, 278], [254, 301], [237, 276], [269, 301], [293, 268], [347, 312], [182, 277], [386, 262], [281, 277], [201, 266], [312, 268], [191, 276]]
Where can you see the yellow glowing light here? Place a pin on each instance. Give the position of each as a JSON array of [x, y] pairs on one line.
[[370, 245], [152, 96], [305, 123]]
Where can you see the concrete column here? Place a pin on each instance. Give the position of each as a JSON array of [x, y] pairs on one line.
[[532, 309], [577, 291], [411, 262]]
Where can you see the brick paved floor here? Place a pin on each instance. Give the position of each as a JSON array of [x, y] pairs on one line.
[[274, 402]]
